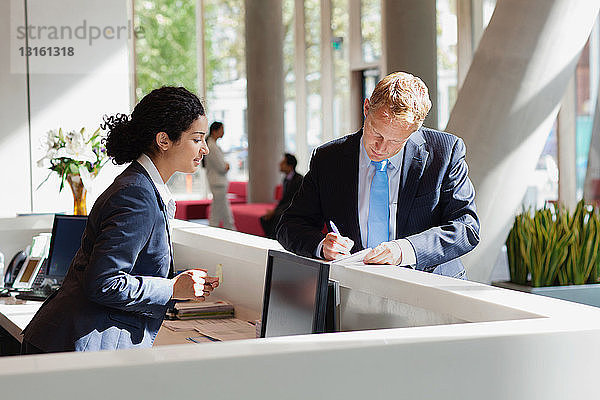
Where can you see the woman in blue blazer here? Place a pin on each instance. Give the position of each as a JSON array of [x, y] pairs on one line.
[[120, 282]]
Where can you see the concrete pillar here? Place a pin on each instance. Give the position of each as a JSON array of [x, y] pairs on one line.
[[409, 44], [567, 181], [508, 103], [264, 72]]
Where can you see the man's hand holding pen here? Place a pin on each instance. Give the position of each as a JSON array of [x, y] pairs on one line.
[[336, 245]]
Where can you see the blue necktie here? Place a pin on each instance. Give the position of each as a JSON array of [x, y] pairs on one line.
[[379, 211]]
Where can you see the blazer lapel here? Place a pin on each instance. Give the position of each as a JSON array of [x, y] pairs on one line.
[[415, 159]]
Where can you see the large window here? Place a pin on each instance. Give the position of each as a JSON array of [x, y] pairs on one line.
[[312, 24], [167, 54], [586, 81], [289, 75], [225, 62], [370, 27], [447, 62], [165, 50], [341, 67]]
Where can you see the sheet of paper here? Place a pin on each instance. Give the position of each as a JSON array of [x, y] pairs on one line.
[[225, 328], [179, 326], [352, 258]]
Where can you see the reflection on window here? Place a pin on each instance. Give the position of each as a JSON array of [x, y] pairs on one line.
[[370, 26], [447, 63]]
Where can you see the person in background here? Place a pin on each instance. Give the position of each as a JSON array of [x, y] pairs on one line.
[[120, 282], [291, 183], [216, 173], [395, 187]]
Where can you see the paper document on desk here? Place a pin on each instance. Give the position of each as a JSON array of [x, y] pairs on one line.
[[356, 258], [226, 329], [179, 326]]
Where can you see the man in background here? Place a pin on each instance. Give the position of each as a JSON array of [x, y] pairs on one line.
[[395, 187], [291, 183]]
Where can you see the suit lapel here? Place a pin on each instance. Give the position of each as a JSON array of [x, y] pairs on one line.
[[415, 159]]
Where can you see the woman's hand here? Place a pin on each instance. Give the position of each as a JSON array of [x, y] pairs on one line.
[[193, 284]]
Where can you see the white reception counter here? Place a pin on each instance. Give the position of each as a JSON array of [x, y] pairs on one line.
[[408, 335]]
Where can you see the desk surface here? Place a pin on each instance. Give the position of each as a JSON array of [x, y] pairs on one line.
[[15, 314]]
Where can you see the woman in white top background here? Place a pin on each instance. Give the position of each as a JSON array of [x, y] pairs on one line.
[[216, 173]]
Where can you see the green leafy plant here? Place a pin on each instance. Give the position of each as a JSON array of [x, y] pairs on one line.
[[553, 246]]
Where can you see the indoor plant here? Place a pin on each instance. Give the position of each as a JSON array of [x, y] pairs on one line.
[[77, 157], [552, 249]]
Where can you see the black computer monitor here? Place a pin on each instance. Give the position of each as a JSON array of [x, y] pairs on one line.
[[295, 299], [66, 239]]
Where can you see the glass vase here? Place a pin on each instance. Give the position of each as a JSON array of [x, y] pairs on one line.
[[79, 192]]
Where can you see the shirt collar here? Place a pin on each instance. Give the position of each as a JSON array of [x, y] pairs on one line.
[[289, 176], [163, 190], [364, 159]]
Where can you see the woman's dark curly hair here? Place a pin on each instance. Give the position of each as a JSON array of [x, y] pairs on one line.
[[168, 109]]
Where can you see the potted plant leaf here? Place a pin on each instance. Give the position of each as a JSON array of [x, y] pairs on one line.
[[556, 252]]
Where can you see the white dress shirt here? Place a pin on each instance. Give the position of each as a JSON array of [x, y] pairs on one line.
[[163, 190], [366, 171]]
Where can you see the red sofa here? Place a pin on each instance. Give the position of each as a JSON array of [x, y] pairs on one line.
[[247, 216], [199, 209]]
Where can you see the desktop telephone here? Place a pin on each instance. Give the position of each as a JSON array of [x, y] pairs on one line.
[[13, 268], [26, 269]]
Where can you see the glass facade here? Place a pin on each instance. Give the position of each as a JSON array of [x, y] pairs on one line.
[[166, 54]]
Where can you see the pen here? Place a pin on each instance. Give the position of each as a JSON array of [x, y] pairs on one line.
[[336, 230]]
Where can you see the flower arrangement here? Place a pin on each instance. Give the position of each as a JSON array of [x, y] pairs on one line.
[[73, 153], [77, 157]]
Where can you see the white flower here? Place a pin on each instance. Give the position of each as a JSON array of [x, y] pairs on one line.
[[76, 148], [48, 145]]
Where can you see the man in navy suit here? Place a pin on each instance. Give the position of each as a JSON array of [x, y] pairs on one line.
[[291, 184], [394, 186]]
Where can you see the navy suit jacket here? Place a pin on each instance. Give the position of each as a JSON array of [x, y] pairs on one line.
[[115, 294], [435, 213], [290, 187]]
